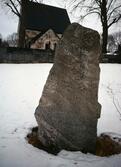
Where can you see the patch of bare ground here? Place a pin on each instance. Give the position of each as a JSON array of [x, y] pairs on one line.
[[107, 145], [32, 139]]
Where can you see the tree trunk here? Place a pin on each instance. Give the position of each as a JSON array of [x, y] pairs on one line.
[[22, 24], [104, 38], [104, 25]]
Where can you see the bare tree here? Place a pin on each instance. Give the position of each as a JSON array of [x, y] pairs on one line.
[[109, 12], [18, 7], [12, 39], [14, 5], [119, 49], [0, 40], [111, 45], [114, 42], [0, 36], [117, 37]]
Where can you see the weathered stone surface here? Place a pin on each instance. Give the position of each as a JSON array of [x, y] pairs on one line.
[[68, 109]]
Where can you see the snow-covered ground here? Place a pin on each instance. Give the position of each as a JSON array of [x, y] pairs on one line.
[[20, 89]]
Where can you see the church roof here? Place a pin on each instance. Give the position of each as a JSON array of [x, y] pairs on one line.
[[43, 17]]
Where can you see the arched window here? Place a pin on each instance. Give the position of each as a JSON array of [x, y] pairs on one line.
[[47, 45], [55, 44]]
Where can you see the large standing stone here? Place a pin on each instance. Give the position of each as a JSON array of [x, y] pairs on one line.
[[68, 109]]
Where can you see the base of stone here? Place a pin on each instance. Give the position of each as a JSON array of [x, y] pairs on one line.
[[105, 146]]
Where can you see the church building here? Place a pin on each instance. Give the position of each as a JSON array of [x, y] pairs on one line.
[[42, 25]]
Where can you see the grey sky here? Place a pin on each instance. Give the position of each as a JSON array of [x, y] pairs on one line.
[[9, 23]]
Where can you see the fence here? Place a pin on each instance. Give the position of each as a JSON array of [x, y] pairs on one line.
[[23, 55]]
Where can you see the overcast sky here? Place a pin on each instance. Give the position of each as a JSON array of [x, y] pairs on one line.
[[9, 23]]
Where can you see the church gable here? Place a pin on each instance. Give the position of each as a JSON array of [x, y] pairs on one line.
[[48, 40]]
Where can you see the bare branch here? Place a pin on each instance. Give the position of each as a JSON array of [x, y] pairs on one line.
[[109, 5], [98, 2], [115, 20], [14, 6], [93, 12], [16, 13], [114, 9]]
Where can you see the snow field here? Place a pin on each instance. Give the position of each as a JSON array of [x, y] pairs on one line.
[[20, 90]]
